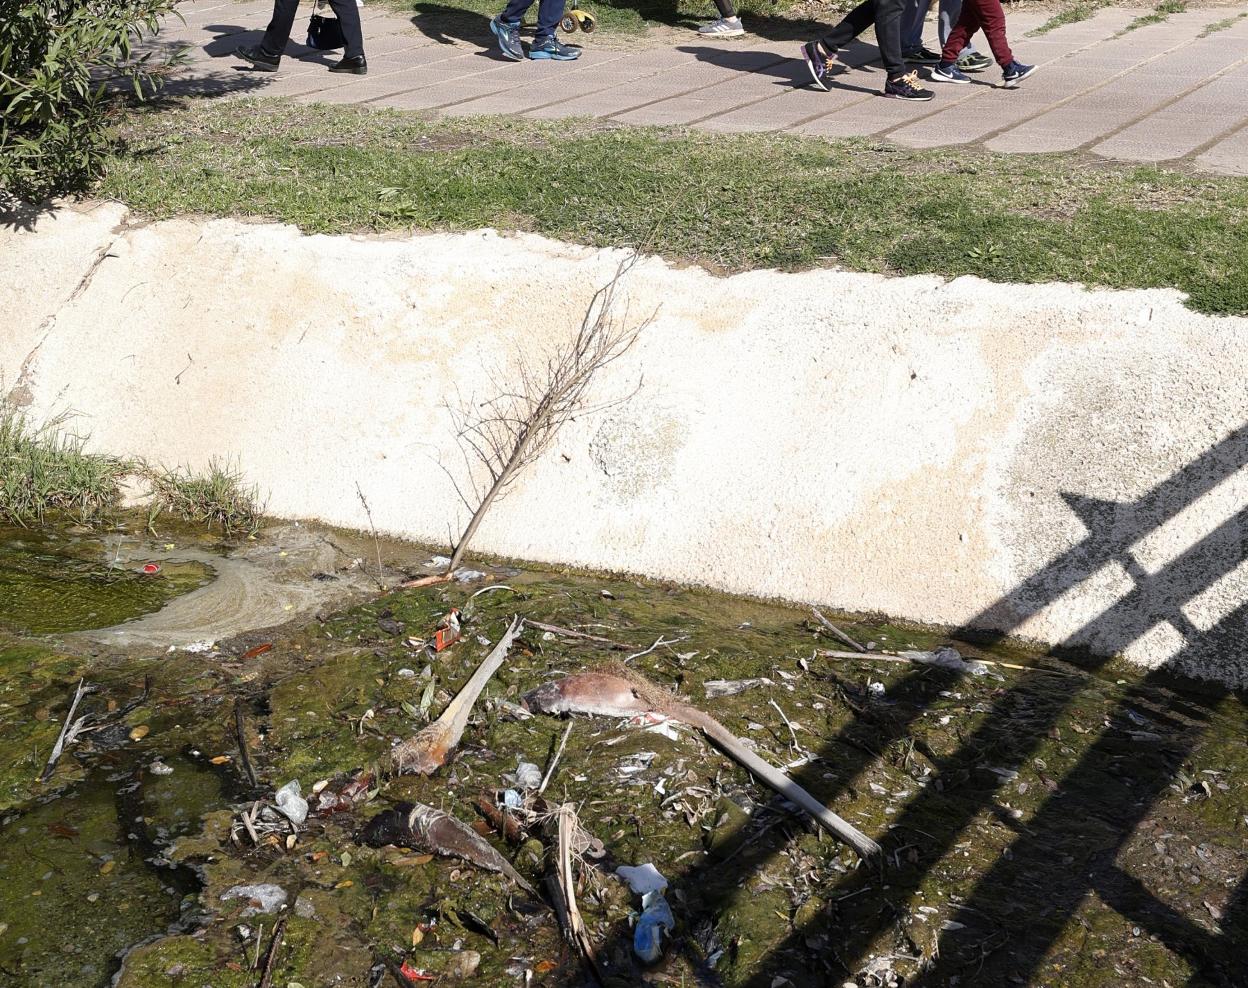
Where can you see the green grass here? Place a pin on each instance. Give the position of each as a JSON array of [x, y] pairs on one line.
[[45, 469], [1222, 25], [731, 202], [1081, 10], [216, 496], [1159, 14]]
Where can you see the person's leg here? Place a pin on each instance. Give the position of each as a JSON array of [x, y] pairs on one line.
[[852, 25], [913, 15], [549, 14], [349, 17], [278, 32], [727, 25], [992, 20], [515, 10], [950, 11], [888, 36], [967, 24]]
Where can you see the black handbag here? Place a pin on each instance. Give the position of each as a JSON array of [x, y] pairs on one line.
[[324, 33]]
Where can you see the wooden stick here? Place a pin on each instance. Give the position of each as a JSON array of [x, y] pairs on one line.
[[550, 769], [836, 631], [894, 657], [271, 959], [68, 733], [569, 633], [430, 749], [240, 729]]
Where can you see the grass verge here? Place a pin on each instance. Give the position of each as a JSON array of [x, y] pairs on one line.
[[45, 469], [731, 202], [1081, 10], [217, 496], [1159, 14]]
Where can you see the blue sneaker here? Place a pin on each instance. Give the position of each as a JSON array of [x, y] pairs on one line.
[[950, 73], [508, 34], [552, 47], [1015, 73]]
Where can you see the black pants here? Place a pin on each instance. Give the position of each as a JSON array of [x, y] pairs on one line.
[[726, 9], [886, 16], [278, 31]]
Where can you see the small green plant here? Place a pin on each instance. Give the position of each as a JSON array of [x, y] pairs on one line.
[[1159, 14], [58, 60], [46, 469], [216, 496], [1222, 25], [1081, 10]]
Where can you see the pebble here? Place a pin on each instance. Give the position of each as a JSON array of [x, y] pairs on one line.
[[160, 768]]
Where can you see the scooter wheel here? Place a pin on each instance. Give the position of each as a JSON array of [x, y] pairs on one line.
[[588, 23], [567, 25]]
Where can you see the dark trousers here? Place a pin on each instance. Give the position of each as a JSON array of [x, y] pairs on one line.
[[886, 16], [549, 14], [278, 31], [726, 9], [985, 15]]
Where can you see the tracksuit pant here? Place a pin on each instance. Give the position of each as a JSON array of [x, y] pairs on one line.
[[549, 14], [886, 16], [916, 13], [980, 15], [278, 31]]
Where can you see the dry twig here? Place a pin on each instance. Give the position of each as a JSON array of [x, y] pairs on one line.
[[837, 632]]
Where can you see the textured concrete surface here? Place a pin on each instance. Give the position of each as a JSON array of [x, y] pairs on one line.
[[1066, 465], [1171, 91]]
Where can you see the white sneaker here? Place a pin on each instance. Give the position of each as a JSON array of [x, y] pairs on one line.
[[725, 27]]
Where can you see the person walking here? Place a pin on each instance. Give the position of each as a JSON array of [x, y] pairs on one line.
[[820, 55], [506, 28], [729, 24], [267, 56], [989, 16], [916, 53]]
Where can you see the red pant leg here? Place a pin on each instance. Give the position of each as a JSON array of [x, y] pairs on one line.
[[968, 24], [992, 19]]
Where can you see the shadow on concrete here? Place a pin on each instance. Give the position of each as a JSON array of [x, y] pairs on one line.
[[786, 66], [1085, 835]]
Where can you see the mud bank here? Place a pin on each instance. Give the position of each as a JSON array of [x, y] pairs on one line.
[[1049, 462]]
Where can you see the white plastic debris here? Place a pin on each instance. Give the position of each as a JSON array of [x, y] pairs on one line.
[[439, 562], [512, 799], [876, 689], [264, 898], [947, 658], [160, 768], [528, 775], [406, 673], [199, 646], [642, 878], [655, 921], [468, 575], [291, 804]]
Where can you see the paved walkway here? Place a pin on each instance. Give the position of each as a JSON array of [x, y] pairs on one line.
[[1161, 93]]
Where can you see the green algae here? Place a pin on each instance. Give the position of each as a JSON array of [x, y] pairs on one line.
[[50, 585], [995, 798]]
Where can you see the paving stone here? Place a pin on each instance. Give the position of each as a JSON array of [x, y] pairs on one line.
[[1175, 131], [1125, 99], [1059, 80], [1229, 156], [1156, 93]]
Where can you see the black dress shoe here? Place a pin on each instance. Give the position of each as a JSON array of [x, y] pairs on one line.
[[260, 59], [356, 65]]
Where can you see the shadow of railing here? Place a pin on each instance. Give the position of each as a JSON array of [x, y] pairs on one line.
[[1097, 804]]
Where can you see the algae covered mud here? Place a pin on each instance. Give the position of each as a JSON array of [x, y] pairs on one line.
[[1043, 823]]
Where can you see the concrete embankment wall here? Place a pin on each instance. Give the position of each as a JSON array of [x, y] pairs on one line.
[[1060, 464]]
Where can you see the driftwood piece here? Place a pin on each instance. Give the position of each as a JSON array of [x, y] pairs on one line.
[[431, 748], [555, 629], [630, 694], [561, 882], [836, 632], [69, 731], [240, 729]]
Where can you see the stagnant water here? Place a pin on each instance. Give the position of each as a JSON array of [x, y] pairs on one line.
[[1047, 824]]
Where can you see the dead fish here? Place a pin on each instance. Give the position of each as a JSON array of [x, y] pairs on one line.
[[425, 828], [595, 693], [616, 696], [431, 747]]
